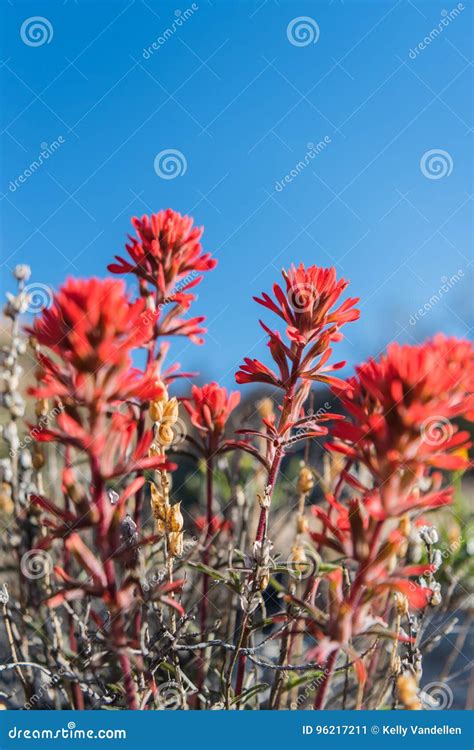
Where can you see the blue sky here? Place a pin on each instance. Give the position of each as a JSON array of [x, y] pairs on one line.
[[231, 91]]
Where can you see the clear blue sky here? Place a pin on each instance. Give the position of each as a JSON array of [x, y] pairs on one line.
[[229, 90]]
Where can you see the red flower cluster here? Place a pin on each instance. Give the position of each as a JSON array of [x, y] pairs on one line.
[[167, 260], [92, 324], [402, 406], [306, 306], [167, 249], [210, 408], [92, 328]]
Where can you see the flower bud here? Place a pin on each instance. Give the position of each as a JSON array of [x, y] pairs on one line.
[[429, 535], [22, 272], [265, 408], [436, 598]]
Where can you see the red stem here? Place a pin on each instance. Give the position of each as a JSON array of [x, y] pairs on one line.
[[323, 688]]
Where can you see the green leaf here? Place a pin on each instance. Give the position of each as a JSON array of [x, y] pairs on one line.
[[246, 695]]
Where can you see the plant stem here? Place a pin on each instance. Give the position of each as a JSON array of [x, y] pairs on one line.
[[320, 698], [207, 538]]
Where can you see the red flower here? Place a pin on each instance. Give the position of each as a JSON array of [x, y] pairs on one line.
[[210, 407], [166, 251], [92, 328], [167, 259], [402, 406], [92, 323], [306, 306]]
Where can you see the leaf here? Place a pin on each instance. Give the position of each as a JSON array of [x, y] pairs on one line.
[[301, 679], [86, 558], [172, 603], [209, 571], [246, 695]]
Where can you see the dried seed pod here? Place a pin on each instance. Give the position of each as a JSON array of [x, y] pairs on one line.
[[156, 410], [298, 557], [175, 518], [171, 411], [159, 504], [165, 434], [264, 581], [305, 480], [38, 458], [175, 544], [41, 407], [408, 692], [405, 525], [6, 502], [154, 450], [401, 603]]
